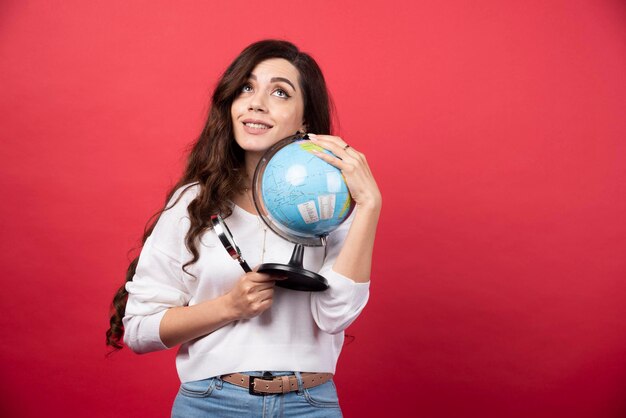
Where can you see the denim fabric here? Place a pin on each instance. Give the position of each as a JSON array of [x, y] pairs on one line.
[[215, 398]]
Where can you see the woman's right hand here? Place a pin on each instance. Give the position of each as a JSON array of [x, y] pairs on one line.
[[252, 295]]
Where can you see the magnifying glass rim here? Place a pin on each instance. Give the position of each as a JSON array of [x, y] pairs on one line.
[[225, 236]]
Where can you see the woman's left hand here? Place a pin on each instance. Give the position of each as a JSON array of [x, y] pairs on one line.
[[354, 168]]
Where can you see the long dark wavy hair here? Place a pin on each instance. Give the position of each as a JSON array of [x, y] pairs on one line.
[[216, 162]]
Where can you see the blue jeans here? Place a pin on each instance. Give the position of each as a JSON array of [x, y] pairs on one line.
[[215, 398]]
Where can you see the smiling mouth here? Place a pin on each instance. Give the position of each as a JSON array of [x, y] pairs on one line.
[[256, 125]]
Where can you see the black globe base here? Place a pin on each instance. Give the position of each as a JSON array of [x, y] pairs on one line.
[[298, 278]]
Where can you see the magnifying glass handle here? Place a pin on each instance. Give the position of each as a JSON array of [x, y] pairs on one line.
[[244, 265]]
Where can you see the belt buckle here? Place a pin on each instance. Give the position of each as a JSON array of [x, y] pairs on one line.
[[251, 384]]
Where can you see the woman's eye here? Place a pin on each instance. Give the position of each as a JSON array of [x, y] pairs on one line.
[[246, 89], [281, 93]]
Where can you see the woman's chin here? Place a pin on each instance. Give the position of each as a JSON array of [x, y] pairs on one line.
[[257, 146]]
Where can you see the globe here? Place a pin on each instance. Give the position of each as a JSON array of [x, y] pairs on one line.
[[301, 198]]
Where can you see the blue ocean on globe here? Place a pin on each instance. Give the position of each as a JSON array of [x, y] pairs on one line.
[[303, 194]]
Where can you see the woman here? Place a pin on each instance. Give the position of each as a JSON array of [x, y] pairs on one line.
[[239, 335]]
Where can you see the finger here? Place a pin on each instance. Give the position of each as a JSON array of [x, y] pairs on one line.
[[264, 305], [265, 294], [262, 287], [334, 160], [331, 143], [328, 146], [261, 302], [259, 277], [338, 147], [258, 307], [328, 138]]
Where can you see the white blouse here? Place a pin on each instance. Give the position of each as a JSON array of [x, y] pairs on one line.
[[302, 331]]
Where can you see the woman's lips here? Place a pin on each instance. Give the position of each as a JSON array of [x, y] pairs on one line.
[[256, 127]]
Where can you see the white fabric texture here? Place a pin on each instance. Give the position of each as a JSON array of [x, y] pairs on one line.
[[302, 331]]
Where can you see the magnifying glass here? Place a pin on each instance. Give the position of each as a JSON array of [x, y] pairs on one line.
[[225, 236]]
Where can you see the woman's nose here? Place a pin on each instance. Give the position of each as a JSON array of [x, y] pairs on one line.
[[257, 103]]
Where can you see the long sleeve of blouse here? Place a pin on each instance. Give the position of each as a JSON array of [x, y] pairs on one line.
[[158, 283], [336, 308]]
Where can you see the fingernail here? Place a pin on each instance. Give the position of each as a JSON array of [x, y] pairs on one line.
[[312, 137]]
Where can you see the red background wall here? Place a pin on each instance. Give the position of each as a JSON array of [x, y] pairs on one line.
[[495, 128]]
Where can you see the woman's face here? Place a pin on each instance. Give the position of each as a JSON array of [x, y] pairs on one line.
[[270, 106]]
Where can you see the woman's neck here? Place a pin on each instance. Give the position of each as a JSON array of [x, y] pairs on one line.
[[251, 160], [243, 199]]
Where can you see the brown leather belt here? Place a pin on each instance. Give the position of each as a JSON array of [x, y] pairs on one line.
[[260, 385]]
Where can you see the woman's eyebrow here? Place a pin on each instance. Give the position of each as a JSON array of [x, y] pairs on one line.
[[275, 79]]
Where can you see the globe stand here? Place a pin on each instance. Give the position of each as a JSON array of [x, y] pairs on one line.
[[298, 278], [302, 199]]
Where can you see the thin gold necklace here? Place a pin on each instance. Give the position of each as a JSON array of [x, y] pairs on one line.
[[261, 224]]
